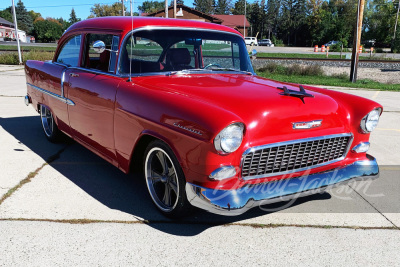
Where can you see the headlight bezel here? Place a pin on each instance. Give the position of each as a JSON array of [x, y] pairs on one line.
[[218, 140], [365, 120]]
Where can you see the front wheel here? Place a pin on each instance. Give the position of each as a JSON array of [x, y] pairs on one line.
[[50, 128], [165, 180]]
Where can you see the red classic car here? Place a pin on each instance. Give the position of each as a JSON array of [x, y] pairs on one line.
[[181, 98]]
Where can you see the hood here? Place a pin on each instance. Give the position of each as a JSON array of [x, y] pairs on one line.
[[263, 108]]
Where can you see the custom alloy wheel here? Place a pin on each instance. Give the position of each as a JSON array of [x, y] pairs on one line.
[[165, 180], [49, 126]]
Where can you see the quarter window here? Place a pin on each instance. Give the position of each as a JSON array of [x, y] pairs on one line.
[[69, 54]]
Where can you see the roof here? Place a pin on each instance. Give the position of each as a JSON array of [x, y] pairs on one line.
[[6, 22], [124, 24], [233, 20], [212, 18]]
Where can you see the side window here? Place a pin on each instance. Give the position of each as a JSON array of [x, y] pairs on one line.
[[69, 54], [143, 54], [104, 61]]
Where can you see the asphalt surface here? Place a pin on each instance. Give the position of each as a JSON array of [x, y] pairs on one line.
[[72, 207]]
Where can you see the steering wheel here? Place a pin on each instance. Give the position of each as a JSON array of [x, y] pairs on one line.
[[211, 65]]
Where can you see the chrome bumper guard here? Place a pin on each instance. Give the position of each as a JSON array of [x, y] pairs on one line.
[[236, 202]]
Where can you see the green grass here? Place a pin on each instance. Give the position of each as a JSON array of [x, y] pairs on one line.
[[317, 55], [27, 48], [12, 58], [313, 75]]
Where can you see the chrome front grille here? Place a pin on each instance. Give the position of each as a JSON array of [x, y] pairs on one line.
[[296, 155]]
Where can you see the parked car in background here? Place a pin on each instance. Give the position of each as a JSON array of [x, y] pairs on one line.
[[330, 43], [180, 99], [265, 42], [251, 41]]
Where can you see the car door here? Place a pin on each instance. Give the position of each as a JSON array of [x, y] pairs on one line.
[[92, 87], [51, 76]]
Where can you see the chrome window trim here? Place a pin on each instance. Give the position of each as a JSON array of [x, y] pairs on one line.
[[162, 28], [56, 96], [252, 149], [95, 71]]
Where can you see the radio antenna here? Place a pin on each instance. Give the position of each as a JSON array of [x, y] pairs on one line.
[[130, 58]]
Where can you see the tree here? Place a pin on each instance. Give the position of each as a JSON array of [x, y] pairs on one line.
[[99, 10], [34, 15], [24, 19], [223, 7], [272, 16], [380, 16], [151, 6], [205, 6], [238, 8], [72, 17], [6, 14], [47, 30]]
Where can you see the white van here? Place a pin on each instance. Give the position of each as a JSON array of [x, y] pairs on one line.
[[251, 41]]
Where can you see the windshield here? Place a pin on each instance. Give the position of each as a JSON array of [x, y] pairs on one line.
[[154, 51]]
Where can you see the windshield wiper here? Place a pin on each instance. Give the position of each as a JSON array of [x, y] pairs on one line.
[[230, 69], [186, 71]]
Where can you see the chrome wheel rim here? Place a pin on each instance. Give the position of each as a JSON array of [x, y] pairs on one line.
[[47, 120], [161, 179]]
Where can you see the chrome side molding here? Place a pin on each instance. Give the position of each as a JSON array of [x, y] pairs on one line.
[[56, 96]]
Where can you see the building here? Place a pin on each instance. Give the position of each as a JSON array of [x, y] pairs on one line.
[[7, 29], [235, 21], [185, 12]]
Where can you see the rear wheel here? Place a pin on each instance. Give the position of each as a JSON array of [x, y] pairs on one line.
[[165, 180], [49, 126]]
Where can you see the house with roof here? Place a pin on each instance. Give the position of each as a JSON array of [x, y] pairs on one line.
[[7, 30], [237, 22]]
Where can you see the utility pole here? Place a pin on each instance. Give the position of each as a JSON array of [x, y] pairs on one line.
[[131, 8], [356, 41], [175, 9], [123, 11], [166, 8], [244, 20], [16, 32]]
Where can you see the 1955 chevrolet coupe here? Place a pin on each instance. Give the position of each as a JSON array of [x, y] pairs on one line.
[[181, 98]]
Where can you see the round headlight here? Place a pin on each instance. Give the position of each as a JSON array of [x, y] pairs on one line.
[[370, 121], [229, 139]]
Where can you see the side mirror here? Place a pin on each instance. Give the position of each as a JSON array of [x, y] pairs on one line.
[[99, 47]]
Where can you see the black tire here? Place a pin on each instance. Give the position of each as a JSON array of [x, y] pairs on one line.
[[165, 180], [50, 129]]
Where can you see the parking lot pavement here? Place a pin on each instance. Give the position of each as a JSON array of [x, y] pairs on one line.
[[59, 185]]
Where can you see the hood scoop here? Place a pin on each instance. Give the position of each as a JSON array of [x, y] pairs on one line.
[[299, 94]]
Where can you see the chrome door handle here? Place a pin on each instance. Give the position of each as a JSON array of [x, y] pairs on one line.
[[74, 75]]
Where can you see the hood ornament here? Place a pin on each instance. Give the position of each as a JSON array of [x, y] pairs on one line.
[[307, 124], [300, 94]]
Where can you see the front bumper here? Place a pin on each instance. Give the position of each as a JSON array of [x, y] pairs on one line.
[[235, 202]]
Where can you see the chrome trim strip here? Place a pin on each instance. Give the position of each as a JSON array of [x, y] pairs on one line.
[[162, 28], [62, 82], [252, 149], [236, 202], [94, 71], [56, 96]]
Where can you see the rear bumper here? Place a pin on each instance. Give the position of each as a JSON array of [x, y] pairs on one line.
[[236, 202]]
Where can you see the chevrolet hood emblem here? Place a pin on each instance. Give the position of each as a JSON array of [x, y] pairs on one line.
[[307, 124]]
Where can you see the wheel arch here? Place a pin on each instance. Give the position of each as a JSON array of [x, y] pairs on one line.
[[137, 155]]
